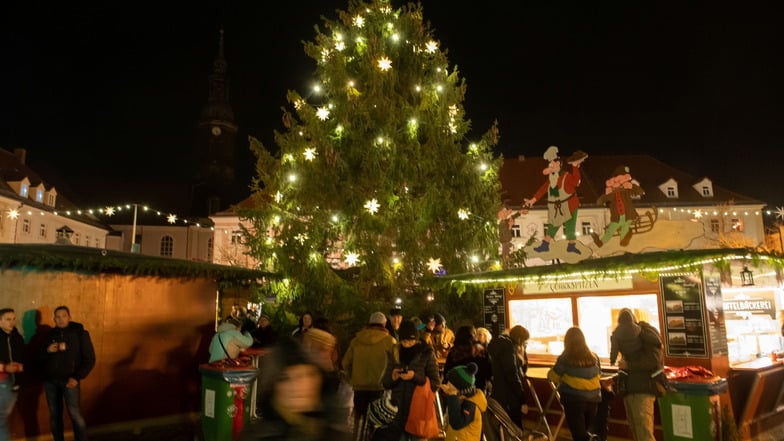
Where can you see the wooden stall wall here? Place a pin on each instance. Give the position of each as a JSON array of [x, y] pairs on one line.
[[150, 334]]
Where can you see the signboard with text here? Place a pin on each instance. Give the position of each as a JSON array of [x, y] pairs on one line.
[[717, 329], [684, 331], [495, 310]]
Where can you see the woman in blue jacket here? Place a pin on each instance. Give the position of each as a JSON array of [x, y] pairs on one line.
[[577, 372]]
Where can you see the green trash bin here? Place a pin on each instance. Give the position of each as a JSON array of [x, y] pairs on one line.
[[225, 400], [692, 411]]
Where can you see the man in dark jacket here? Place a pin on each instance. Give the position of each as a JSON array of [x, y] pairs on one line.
[[11, 348], [68, 358], [509, 363]]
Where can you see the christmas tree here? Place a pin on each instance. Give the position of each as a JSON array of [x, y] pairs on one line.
[[373, 188]]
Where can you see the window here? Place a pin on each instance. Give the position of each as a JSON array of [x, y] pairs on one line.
[[546, 319], [50, 199], [236, 237], [86, 240], [97, 243], [671, 193], [516, 231], [24, 190], [26, 226], [167, 246], [587, 228], [737, 225], [76, 238], [706, 191], [42, 231], [209, 249], [715, 226], [39, 195], [598, 317]]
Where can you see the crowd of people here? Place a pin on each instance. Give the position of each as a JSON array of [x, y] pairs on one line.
[[392, 362]]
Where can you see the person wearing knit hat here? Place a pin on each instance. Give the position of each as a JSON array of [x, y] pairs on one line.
[[415, 365], [625, 338], [465, 403], [441, 338], [641, 370], [393, 323], [292, 401], [366, 361]]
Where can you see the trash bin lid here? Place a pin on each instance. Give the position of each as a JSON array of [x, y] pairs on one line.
[[701, 387], [233, 375]]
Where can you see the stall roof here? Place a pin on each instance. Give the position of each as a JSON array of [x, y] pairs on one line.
[[613, 267], [48, 257]]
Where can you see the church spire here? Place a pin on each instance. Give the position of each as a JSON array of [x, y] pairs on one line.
[[218, 107]]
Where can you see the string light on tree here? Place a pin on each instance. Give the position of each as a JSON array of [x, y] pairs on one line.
[[463, 213], [384, 64], [352, 259]]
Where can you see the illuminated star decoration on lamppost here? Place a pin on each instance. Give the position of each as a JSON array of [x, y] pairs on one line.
[[13, 213], [780, 213], [171, 218], [434, 265]]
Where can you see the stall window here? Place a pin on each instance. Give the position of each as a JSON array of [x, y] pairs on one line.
[[753, 330], [598, 316], [547, 321]]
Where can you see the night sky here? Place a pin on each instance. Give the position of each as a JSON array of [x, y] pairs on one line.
[[106, 100]]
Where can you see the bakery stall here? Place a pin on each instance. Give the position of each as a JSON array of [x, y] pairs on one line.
[[715, 309]]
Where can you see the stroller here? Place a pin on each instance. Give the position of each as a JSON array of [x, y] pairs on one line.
[[497, 426]]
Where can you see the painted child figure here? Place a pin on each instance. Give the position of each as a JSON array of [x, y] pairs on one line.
[[618, 194], [465, 404]]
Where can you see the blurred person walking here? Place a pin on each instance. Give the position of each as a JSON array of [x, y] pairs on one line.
[[68, 359], [577, 372], [292, 401]]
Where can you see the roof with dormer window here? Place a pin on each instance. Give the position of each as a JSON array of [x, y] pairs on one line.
[[521, 177]]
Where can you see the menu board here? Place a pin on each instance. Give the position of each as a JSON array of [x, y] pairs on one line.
[[684, 332], [495, 310], [714, 305]]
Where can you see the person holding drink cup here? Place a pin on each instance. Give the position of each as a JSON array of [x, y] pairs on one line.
[[11, 350], [68, 359]]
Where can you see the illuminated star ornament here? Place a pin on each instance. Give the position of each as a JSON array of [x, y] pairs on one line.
[[109, 211], [434, 265], [322, 113], [13, 213], [780, 213], [384, 64], [352, 259], [697, 214], [171, 218], [431, 46], [310, 153], [463, 213], [372, 206]]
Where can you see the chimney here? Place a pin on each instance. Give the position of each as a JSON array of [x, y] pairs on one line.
[[21, 155]]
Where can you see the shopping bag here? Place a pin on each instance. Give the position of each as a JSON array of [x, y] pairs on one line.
[[422, 421]]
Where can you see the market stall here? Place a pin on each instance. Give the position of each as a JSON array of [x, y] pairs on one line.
[[715, 309]]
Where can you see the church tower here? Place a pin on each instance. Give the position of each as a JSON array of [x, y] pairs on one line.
[[216, 144]]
